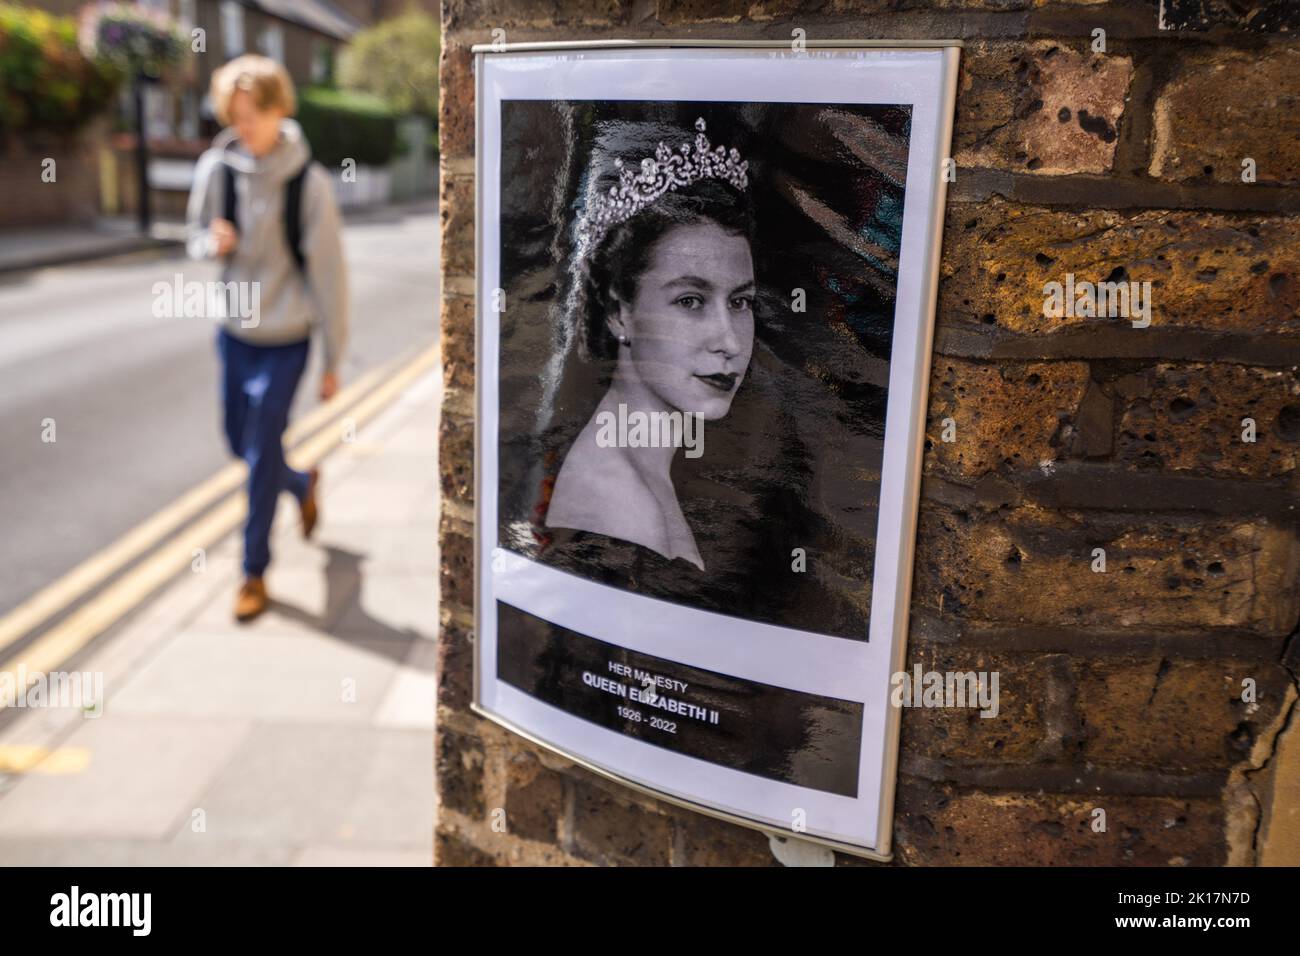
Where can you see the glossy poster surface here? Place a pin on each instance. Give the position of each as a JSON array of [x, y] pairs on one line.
[[692, 312]]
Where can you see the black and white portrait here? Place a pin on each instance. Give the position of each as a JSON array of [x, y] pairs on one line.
[[699, 302], [664, 280]]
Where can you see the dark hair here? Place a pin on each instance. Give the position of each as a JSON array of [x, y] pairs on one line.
[[618, 262]]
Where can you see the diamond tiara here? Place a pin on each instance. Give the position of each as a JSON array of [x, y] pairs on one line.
[[658, 174]]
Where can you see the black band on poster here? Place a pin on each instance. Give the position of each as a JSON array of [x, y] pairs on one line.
[[773, 732]]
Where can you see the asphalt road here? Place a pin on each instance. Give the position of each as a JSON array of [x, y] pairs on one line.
[[134, 398]]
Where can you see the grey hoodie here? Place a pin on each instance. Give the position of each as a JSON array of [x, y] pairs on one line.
[[290, 303]]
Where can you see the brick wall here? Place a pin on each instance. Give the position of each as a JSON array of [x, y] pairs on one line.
[[73, 196], [1120, 690]]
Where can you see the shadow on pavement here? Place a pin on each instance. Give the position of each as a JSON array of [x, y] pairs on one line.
[[343, 578]]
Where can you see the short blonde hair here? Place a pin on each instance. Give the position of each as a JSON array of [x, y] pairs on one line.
[[261, 77]]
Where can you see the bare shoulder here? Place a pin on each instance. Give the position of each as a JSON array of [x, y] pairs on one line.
[[592, 488]]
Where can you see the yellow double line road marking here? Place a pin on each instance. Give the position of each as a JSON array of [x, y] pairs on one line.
[[25, 758], [359, 402], [96, 569]]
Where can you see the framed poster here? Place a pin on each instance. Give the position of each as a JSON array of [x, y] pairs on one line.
[[706, 278]]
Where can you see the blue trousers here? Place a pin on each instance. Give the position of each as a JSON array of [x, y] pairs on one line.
[[257, 386]]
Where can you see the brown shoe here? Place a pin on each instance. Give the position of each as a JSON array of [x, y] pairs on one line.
[[251, 601], [308, 505]]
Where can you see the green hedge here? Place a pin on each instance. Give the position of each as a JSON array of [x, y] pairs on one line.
[[342, 125], [45, 81]]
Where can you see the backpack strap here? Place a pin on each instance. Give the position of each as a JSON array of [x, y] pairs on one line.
[[293, 216], [231, 213]]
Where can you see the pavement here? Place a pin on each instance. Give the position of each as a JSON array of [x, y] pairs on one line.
[[42, 246], [302, 738]]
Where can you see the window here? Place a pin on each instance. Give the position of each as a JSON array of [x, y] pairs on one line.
[[271, 42], [232, 27], [189, 125], [158, 113], [322, 62]]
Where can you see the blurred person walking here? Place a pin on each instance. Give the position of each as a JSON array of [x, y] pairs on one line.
[[263, 206]]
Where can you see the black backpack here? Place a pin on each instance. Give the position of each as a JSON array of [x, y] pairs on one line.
[[292, 210]]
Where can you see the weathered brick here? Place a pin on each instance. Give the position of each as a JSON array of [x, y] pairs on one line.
[[762, 11], [456, 572], [456, 211], [1188, 418], [456, 103], [1039, 107], [593, 13], [534, 799], [485, 15], [1019, 730], [1226, 273], [611, 832], [481, 15], [937, 825], [1177, 716], [454, 670], [1278, 836], [456, 457], [1034, 566], [859, 7], [675, 12], [450, 849], [1222, 106], [708, 841], [457, 340], [1004, 416], [460, 773]]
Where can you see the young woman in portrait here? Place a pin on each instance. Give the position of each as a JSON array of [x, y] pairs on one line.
[[664, 289]]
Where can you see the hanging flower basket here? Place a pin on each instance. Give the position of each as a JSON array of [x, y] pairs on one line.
[[133, 40]]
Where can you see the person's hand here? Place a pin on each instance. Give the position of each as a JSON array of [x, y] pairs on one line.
[[224, 236], [329, 384]]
